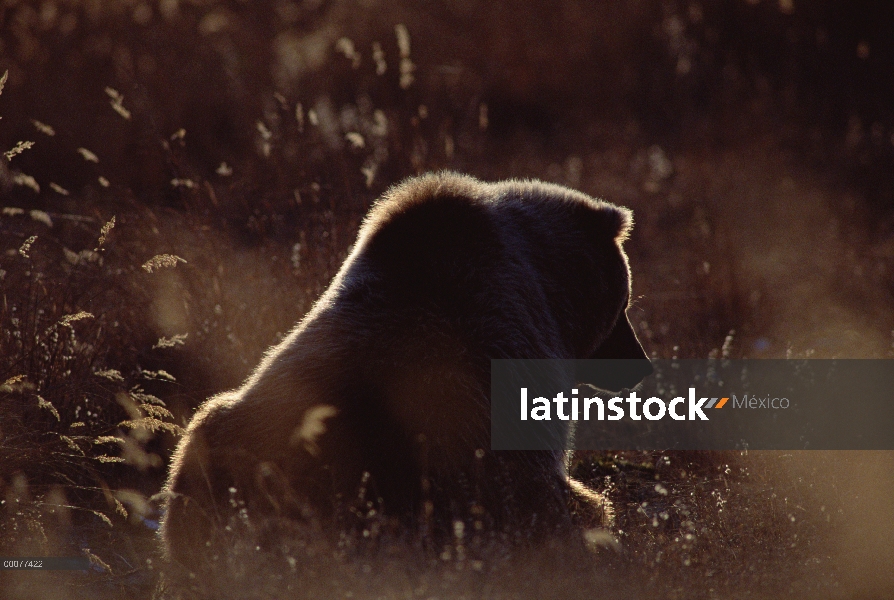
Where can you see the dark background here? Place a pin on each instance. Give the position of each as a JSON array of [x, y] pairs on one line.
[[754, 141]]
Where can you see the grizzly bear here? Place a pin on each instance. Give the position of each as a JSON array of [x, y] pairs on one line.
[[378, 400]]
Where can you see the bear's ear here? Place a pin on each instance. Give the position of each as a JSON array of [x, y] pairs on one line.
[[621, 221]]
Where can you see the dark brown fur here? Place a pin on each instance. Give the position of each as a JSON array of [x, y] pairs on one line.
[[380, 394]]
